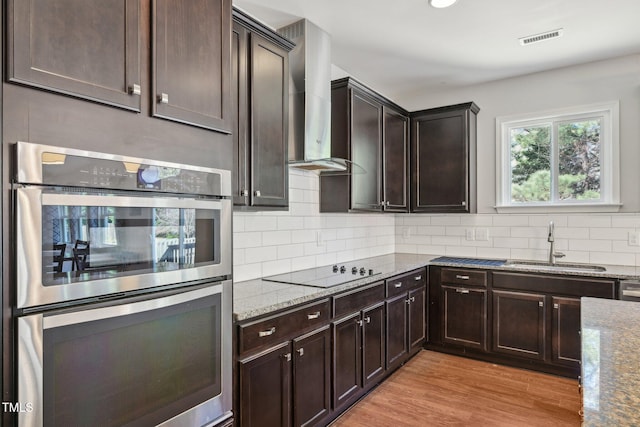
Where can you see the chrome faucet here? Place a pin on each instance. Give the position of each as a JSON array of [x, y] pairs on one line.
[[551, 239]]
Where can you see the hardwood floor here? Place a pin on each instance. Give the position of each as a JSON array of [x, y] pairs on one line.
[[435, 389]]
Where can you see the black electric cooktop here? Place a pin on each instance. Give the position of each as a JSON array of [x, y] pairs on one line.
[[326, 276]]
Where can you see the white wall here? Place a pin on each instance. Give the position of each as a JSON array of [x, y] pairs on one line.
[[267, 243], [614, 79]]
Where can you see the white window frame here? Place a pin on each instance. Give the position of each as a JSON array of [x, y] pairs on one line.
[[609, 166]]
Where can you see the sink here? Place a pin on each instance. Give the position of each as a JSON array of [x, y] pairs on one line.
[[559, 266]]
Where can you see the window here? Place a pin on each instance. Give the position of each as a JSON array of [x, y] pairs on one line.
[[559, 160]]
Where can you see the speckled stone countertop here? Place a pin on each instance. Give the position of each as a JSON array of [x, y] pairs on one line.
[[610, 362], [257, 297]]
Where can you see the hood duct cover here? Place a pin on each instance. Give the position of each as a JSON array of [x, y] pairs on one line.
[[310, 98]]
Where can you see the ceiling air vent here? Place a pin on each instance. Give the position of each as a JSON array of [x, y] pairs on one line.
[[524, 41]]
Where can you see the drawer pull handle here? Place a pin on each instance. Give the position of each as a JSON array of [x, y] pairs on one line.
[[287, 357], [398, 285], [556, 306], [300, 352], [367, 319], [418, 277], [163, 98], [134, 89], [312, 316], [268, 332], [540, 304], [462, 291], [461, 277]]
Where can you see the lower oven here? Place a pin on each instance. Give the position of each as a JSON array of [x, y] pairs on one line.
[[160, 359]]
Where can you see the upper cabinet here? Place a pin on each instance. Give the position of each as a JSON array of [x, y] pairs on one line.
[[96, 50], [88, 49], [191, 63], [372, 133], [260, 92], [443, 168]]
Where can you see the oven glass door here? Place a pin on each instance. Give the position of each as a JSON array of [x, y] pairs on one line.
[[135, 364], [115, 242]]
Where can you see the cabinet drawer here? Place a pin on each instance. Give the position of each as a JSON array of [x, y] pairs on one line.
[[561, 285], [459, 276], [358, 299], [399, 284], [283, 326]]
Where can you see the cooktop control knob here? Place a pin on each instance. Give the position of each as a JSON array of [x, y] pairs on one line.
[[362, 271], [343, 269], [335, 268], [354, 270]]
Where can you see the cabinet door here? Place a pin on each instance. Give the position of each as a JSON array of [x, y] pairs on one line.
[[441, 163], [397, 332], [347, 364], [191, 62], [519, 324], [269, 106], [416, 319], [395, 157], [366, 137], [565, 337], [311, 377], [464, 316], [265, 388], [373, 344], [88, 49], [239, 87]]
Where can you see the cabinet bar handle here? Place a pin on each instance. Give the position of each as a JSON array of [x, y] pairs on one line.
[[408, 300], [556, 306], [367, 319], [244, 193], [398, 285], [540, 304], [163, 98], [412, 299], [134, 89], [461, 277], [268, 332], [287, 357], [300, 352], [359, 322], [312, 316], [257, 193], [462, 291], [418, 277]]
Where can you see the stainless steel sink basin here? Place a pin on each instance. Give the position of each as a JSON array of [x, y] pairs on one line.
[[559, 266]]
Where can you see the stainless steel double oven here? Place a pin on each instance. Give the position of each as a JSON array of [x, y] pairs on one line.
[[123, 289]]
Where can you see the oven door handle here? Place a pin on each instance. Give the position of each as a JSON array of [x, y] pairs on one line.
[[117, 200]]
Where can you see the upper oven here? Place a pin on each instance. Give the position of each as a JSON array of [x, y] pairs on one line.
[[92, 224]]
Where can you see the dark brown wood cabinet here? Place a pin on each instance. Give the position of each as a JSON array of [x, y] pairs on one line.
[[260, 92], [371, 132], [565, 335], [190, 62], [464, 316], [358, 354], [395, 157], [265, 388], [519, 324], [87, 49], [443, 152], [405, 307]]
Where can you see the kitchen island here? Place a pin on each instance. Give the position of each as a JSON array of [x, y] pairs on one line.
[[610, 362]]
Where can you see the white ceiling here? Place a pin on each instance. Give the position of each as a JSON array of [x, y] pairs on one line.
[[402, 46]]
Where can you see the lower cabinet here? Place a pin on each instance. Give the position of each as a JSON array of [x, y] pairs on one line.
[[527, 319], [405, 306], [287, 382], [359, 353], [519, 324]]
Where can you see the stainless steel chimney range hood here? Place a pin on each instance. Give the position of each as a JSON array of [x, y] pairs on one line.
[[310, 99]]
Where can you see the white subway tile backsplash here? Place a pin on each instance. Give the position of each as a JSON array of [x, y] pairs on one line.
[[275, 242]]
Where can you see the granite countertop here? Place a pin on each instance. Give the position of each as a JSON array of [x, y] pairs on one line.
[[257, 297], [610, 362]]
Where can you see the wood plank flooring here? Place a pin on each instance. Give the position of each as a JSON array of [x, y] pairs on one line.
[[435, 389]]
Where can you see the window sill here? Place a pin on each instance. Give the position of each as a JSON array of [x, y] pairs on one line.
[[577, 208]]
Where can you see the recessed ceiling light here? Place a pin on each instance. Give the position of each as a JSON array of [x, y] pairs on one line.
[[441, 3]]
